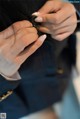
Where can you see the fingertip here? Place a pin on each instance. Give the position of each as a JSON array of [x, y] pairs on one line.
[[39, 19], [36, 14], [43, 37]]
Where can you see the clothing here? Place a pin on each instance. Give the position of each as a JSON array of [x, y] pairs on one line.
[[41, 83]]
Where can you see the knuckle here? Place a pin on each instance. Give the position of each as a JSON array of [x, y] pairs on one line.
[[21, 24], [18, 35], [35, 37], [16, 25], [35, 30], [24, 31], [27, 23], [31, 30]]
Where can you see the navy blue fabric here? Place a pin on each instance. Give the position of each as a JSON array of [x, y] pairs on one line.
[[41, 84]]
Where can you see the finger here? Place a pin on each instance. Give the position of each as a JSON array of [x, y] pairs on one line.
[[14, 28], [30, 50], [48, 7], [22, 24], [31, 30], [26, 36], [55, 18], [62, 14], [44, 29], [64, 30], [61, 37], [50, 18], [66, 23], [69, 22], [58, 16], [22, 43]]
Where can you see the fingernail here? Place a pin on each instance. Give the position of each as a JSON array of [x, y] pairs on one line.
[[43, 37], [39, 19], [36, 14]]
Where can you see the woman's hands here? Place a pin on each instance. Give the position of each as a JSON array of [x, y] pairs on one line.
[[17, 43], [58, 19]]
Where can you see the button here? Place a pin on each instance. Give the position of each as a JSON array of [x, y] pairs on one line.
[[36, 25], [60, 71]]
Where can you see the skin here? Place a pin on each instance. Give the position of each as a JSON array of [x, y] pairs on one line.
[[17, 45], [57, 18]]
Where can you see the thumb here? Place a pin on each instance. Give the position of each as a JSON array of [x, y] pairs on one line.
[[49, 18], [46, 8], [49, 7]]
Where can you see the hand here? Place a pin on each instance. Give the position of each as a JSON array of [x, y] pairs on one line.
[[17, 43], [58, 19]]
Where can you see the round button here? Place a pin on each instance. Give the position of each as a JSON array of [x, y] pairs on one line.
[[60, 71]]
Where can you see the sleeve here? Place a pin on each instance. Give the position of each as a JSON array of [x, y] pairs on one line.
[[14, 77], [77, 6], [7, 87]]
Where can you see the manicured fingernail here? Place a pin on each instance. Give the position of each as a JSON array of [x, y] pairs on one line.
[[36, 14], [43, 37], [39, 19]]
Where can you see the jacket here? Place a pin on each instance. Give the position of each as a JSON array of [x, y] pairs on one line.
[[44, 75]]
